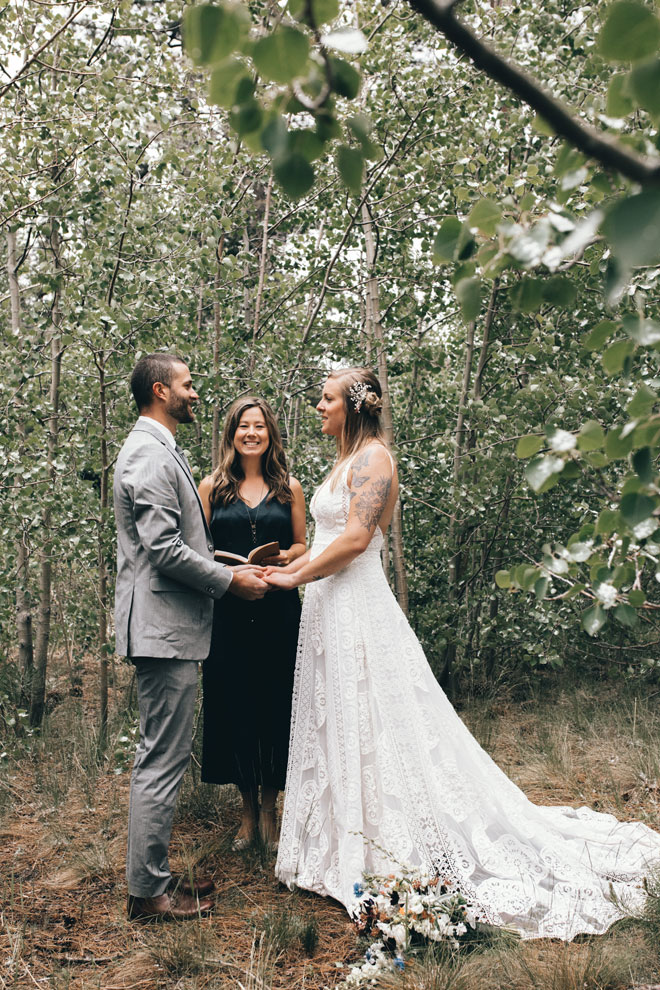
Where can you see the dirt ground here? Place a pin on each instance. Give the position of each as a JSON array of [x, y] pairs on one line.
[[63, 830]]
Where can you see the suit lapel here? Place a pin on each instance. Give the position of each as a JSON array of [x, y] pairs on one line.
[[155, 432]]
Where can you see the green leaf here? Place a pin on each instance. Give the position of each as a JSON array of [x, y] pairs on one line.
[[626, 615], [528, 577], [631, 31], [224, 81], [631, 227], [527, 295], [323, 11], [645, 85], [619, 103], [246, 117], [579, 552], [614, 358], [469, 292], [282, 55], [635, 508], [294, 174], [275, 137], [485, 216], [541, 587], [503, 579], [642, 402], [559, 291], [351, 167], [541, 470], [446, 240], [643, 464], [597, 336], [327, 126], [346, 79], [645, 332], [636, 597], [307, 143], [361, 127], [591, 436], [594, 619], [616, 445], [528, 446], [210, 33], [541, 125], [609, 521]]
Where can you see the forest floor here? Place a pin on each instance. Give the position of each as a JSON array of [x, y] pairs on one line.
[[63, 816]]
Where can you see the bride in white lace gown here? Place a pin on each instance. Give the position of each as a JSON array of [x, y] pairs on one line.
[[382, 772]]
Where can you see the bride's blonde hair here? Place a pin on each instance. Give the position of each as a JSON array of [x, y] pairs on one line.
[[363, 405]]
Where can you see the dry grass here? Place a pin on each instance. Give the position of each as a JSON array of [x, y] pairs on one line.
[[62, 889]]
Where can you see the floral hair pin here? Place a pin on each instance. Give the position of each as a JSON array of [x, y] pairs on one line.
[[357, 394]]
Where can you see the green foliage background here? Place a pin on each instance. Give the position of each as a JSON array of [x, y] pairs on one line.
[[137, 188]]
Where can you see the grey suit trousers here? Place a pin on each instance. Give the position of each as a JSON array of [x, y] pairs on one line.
[[166, 695]]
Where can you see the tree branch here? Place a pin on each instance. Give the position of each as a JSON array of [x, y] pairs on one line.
[[39, 50], [581, 135]]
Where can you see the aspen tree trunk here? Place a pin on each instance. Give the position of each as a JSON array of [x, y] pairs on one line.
[[262, 276], [23, 603], [247, 309], [102, 575], [474, 613], [375, 332], [215, 432], [493, 608], [485, 343], [103, 607], [454, 575], [295, 411], [38, 695]]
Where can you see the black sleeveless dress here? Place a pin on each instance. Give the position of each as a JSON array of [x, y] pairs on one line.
[[248, 676]]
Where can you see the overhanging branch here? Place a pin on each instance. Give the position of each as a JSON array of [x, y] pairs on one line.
[[593, 143]]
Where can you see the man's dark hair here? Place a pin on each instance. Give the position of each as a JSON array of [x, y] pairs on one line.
[[150, 369]]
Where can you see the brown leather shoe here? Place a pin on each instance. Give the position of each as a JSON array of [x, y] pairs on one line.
[[181, 907], [198, 888]]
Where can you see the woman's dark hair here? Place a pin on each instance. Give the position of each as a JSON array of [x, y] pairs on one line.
[[227, 477], [152, 368]]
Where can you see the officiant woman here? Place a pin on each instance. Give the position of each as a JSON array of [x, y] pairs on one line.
[[250, 499]]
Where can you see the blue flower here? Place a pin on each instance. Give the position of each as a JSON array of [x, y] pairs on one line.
[[399, 963], [358, 889]]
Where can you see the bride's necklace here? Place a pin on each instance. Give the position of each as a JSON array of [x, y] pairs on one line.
[[253, 522]]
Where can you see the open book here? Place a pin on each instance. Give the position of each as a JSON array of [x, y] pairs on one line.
[[254, 557]]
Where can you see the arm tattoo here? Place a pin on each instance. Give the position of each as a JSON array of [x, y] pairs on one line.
[[370, 504], [360, 462]]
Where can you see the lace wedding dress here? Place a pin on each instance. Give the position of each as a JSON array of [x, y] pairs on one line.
[[382, 772]]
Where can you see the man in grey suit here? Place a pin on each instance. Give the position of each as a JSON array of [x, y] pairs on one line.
[[167, 581]]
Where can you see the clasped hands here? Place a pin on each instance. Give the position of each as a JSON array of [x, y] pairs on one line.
[[252, 582]]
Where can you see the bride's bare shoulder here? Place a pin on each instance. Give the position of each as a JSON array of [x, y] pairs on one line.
[[374, 456]]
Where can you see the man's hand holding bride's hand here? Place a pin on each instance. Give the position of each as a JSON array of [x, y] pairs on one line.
[[281, 577], [248, 582]]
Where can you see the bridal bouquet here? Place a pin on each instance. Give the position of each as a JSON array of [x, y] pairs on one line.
[[404, 910]]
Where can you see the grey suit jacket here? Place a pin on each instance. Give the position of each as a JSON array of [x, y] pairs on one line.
[[166, 576]]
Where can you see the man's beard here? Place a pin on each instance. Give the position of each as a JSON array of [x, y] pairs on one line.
[[180, 410]]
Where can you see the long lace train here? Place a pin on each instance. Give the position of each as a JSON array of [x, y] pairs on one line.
[[383, 772]]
